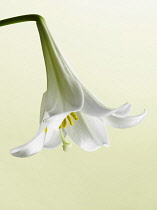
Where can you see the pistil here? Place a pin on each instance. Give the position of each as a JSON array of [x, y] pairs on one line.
[[64, 124], [66, 146]]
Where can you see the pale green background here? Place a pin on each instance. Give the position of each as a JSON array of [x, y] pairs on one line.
[[113, 47]]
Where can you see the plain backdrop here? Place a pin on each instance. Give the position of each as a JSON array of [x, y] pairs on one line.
[[112, 45]]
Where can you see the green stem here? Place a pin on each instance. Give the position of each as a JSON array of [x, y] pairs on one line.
[[22, 18]]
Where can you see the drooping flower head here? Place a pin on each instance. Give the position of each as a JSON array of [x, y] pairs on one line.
[[69, 108]]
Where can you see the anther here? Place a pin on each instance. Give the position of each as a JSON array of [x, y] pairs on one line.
[[70, 120], [45, 130], [74, 116], [64, 123], [60, 126]]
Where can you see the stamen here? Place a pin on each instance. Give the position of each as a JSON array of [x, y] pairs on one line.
[[70, 120], [60, 126], [64, 123], [74, 115], [45, 130], [66, 146]]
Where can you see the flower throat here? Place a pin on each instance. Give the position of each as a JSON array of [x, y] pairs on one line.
[[66, 146], [64, 124]]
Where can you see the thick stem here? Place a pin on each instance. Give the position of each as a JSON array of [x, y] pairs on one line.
[[22, 18]]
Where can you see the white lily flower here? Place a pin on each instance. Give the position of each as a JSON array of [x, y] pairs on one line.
[[68, 108]]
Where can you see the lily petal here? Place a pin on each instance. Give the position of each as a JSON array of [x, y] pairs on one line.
[[64, 93], [88, 132], [125, 122], [32, 147], [123, 112], [52, 139], [93, 106], [42, 107], [36, 144]]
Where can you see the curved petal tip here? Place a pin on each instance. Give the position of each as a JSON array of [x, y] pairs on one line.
[[107, 145], [30, 148], [18, 153], [125, 122]]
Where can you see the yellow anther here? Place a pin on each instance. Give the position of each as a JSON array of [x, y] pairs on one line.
[[74, 116], [64, 123], [70, 120], [60, 126], [45, 130]]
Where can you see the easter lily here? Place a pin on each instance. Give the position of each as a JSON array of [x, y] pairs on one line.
[[68, 108]]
